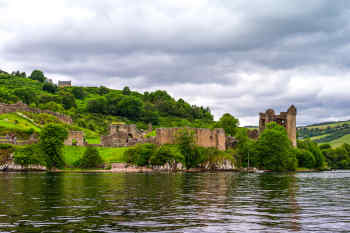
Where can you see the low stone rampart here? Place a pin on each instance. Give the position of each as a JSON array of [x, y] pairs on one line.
[[21, 107]]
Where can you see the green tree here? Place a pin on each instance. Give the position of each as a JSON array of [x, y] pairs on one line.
[[68, 101], [98, 105], [320, 161], [27, 95], [305, 158], [274, 149], [37, 75], [245, 149], [91, 158], [49, 87], [228, 123], [78, 92], [126, 91], [52, 137], [186, 143], [131, 107]]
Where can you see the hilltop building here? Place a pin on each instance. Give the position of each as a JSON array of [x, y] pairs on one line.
[[286, 119], [64, 83]]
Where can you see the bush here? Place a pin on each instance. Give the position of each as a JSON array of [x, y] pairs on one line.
[[305, 158], [140, 155], [166, 154], [91, 158], [28, 155]]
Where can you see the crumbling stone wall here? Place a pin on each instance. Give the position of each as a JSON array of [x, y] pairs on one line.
[[203, 137], [121, 135], [286, 119], [21, 107], [78, 136]]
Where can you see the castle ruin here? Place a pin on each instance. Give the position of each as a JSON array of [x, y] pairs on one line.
[[75, 138], [286, 119], [203, 137]]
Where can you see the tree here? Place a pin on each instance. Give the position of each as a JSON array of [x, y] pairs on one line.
[[27, 95], [131, 107], [52, 137], [37, 75], [228, 123], [305, 158], [98, 105], [78, 92], [49, 87], [274, 149], [185, 141], [245, 148], [320, 160], [126, 91], [91, 158], [68, 101]]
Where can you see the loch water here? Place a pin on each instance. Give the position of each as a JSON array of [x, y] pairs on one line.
[[175, 202]]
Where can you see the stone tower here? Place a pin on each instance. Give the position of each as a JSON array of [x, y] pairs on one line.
[[286, 119]]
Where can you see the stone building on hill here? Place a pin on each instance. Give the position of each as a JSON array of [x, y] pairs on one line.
[[286, 119], [64, 83]]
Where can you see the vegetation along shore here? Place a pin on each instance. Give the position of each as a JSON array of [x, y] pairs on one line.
[[72, 128]]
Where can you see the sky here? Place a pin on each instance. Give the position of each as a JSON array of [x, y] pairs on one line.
[[240, 57]]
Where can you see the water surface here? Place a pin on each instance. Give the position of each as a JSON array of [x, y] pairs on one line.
[[177, 202]]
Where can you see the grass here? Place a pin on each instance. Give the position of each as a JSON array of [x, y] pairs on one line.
[[340, 141], [14, 121], [329, 125], [319, 137], [108, 154], [93, 140]]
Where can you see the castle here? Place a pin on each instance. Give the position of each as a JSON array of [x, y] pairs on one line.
[[286, 119]]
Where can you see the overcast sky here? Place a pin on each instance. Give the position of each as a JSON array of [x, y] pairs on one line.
[[240, 57]]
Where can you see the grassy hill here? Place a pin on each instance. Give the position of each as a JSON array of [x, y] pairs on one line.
[[94, 108], [334, 133]]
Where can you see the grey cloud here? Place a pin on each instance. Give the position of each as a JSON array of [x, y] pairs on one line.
[[167, 44]]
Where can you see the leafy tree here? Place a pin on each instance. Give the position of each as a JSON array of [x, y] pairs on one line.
[[52, 137], [19, 74], [98, 105], [27, 95], [245, 149], [228, 123], [150, 114], [50, 87], [103, 90], [320, 161], [78, 92], [140, 155], [126, 91], [53, 106], [37, 75], [68, 101], [305, 158], [91, 158], [166, 154], [274, 149], [131, 107], [186, 143]]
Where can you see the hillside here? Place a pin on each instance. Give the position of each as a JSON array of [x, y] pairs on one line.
[[334, 133], [93, 108]]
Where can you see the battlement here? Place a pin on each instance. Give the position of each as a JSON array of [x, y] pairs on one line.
[[286, 119]]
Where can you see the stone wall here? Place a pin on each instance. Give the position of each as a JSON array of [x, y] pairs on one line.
[[122, 135], [203, 137], [78, 136], [21, 107]]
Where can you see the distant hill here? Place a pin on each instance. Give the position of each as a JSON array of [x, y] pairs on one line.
[[335, 133]]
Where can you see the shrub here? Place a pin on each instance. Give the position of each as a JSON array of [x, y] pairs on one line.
[[305, 158], [28, 155], [166, 154], [91, 158], [140, 155]]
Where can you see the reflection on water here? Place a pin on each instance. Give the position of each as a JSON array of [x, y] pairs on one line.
[[181, 202]]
